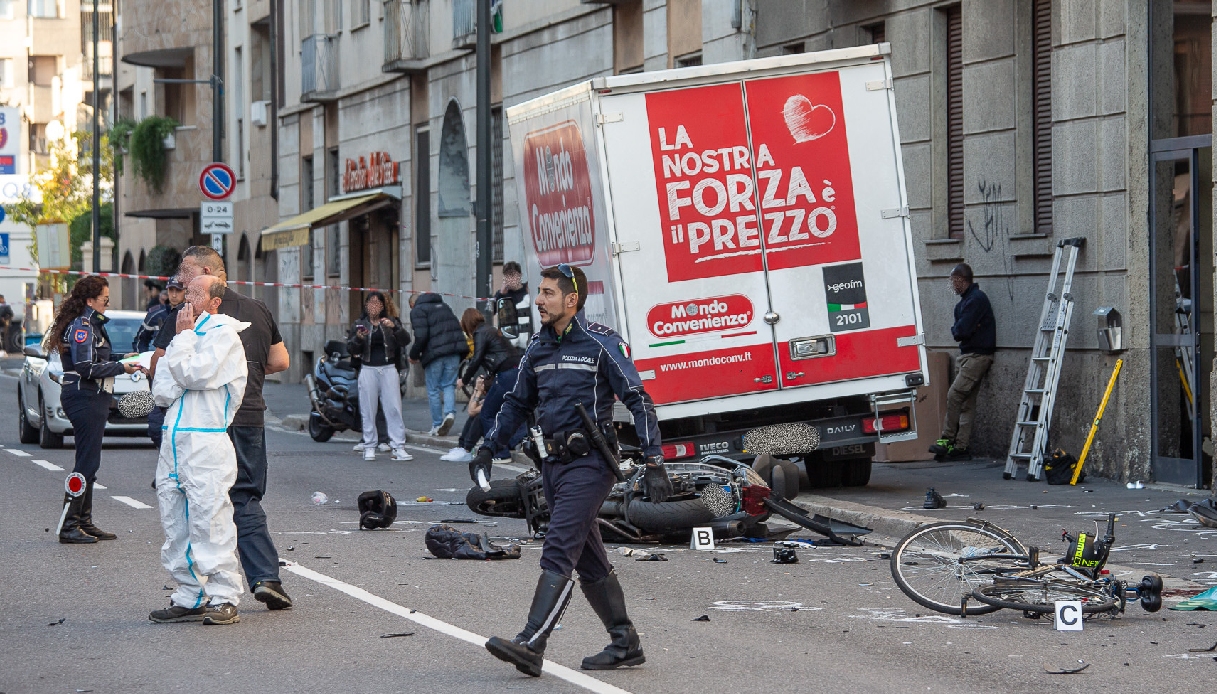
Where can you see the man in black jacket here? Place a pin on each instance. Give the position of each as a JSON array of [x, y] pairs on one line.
[[976, 332], [439, 345]]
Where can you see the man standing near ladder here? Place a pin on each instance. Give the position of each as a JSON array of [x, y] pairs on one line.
[[976, 332]]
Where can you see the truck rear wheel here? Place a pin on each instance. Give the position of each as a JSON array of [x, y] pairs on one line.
[[855, 473]]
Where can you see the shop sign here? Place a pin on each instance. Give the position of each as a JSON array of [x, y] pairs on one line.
[[374, 171]]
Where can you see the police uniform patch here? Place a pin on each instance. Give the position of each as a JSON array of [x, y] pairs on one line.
[[625, 349], [81, 335]]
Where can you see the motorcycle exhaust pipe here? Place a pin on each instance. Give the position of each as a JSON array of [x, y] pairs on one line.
[[724, 529], [311, 384]]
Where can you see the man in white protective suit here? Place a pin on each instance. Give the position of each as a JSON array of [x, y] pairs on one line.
[[201, 379]]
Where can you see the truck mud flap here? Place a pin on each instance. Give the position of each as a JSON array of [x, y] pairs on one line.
[[839, 532]]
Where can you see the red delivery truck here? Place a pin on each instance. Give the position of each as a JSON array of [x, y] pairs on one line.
[[745, 227]]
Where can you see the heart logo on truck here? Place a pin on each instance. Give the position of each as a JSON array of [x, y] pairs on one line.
[[807, 121]]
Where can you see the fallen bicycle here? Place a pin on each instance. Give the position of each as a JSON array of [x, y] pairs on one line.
[[715, 492], [947, 566]]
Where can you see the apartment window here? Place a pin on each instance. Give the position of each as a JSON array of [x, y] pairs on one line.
[[6, 73], [628, 49], [361, 13], [143, 105], [42, 9], [684, 32], [333, 17], [333, 233], [875, 33], [6, 9], [1041, 72], [422, 196], [308, 18], [38, 138], [306, 204], [689, 60], [496, 183], [238, 106], [42, 70], [259, 62], [954, 113]]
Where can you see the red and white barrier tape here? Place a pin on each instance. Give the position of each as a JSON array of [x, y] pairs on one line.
[[284, 285]]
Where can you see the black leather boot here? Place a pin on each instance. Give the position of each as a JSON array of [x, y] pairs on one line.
[[527, 650], [71, 532], [608, 600], [86, 517]]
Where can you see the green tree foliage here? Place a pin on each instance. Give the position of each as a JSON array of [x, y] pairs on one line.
[[81, 231], [147, 145]]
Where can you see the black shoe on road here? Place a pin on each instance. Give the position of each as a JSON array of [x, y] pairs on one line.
[[272, 594], [524, 658], [224, 613], [174, 613], [942, 447]]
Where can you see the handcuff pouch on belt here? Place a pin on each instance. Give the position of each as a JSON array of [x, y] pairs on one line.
[[563, 447]]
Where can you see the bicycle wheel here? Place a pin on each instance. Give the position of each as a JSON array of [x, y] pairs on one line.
[[1039, 595], [939, 564]]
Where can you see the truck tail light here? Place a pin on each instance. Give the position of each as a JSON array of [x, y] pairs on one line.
[[675, 451], [886, 423]]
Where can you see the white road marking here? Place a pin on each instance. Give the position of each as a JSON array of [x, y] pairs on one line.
[[573, 676], [131, 502], [18, 452], [47, 464], [97, 485]]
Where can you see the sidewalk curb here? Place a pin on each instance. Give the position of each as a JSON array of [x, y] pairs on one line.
[[299, 422], [895, 525]]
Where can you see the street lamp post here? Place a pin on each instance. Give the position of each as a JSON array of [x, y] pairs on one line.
[[484, 249], [96, 144]]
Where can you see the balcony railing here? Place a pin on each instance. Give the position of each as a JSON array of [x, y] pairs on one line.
[[407, 34], [319, 68], [464, 23], [105, 67]]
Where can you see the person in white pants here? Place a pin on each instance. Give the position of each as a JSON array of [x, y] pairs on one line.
[[201, 380], [377, 343]]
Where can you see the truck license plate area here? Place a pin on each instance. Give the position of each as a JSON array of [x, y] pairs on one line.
[[855, 449]]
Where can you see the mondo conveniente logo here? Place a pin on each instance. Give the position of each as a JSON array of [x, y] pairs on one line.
[[695, 316], [558, 190]]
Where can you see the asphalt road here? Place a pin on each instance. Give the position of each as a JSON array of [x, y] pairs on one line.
[[74, 618]]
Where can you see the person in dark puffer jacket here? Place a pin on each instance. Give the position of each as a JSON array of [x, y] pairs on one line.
[[501, 360], [439, 345]]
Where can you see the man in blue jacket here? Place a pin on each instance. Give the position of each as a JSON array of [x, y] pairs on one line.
[[572, 361], [976, 332]]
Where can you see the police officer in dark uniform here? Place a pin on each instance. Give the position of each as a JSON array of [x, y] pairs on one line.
[[84, 349], [573, 361]]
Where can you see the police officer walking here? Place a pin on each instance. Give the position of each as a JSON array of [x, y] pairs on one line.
[[84, 348], [571, 362]]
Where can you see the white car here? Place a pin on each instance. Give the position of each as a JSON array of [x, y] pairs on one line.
[[41, 418]]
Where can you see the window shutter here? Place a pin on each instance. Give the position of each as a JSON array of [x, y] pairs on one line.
[[1042, 105], [955, 216]]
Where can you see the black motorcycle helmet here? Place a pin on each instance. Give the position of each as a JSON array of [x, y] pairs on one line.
[[377, 509]]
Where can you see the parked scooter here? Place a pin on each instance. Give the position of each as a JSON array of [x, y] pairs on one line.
[[333, 390]]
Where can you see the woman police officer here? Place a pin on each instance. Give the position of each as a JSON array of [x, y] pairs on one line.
[[79, 334]]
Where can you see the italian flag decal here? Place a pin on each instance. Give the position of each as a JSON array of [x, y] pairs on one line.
[[625, 349], [846, 307]]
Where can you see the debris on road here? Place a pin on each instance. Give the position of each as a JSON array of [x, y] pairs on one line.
[[377, 510], [61, 621], [784, 555], [1136, 485], [720, 561], [424, 499], [978, 506], [393, 636], [1202, 601], [1210, 649], [1067, 671], [703, 618], [446, 542], [320, 498], [652, 557]]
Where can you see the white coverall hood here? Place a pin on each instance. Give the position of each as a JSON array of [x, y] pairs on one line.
[[201, 379]]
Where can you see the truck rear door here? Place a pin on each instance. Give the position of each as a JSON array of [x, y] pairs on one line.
[[753, 245]]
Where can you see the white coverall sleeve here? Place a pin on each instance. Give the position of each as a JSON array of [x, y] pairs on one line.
[[165, 390], [208, 366]]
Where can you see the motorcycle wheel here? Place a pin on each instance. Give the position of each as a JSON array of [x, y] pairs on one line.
[[669, 515], [318, 430], [503, 499]]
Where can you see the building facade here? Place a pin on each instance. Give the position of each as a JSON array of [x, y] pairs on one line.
[[1023, 123]]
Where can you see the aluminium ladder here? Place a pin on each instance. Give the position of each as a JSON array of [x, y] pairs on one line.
[[1044, 371]]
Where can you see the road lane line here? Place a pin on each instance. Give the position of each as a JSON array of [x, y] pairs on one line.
[[47, 464], [98, 486], [18, 452], [131, 502], [573, 676]]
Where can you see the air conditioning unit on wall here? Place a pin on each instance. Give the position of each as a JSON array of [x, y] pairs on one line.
[[259, 112]]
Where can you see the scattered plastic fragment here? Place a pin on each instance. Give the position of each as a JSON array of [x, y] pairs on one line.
[[320, 498], [627, 551], [323, 556], [393, 636], [1136, 485], [784, 555], [978, 506], [720, 561], [1034, 507], [424, 499], [1210, 649], [703, 618], [652, 557], [1067, 671], [61, 621]]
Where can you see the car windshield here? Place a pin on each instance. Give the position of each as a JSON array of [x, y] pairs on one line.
[[122, 334]]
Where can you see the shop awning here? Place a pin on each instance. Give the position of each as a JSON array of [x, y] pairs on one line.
[[294, 231]]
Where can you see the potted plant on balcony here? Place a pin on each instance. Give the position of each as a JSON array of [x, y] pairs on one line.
[[148, 142], [120, 140]]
